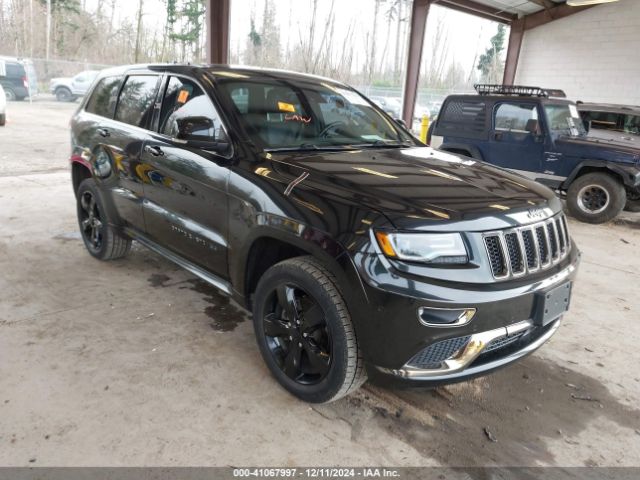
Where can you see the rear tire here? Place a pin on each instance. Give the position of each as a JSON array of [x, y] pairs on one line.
[[9, 94], [100, 238], [596, 198], [304, 331]]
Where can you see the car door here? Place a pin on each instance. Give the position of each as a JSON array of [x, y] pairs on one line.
[[516, 141], [119, 140], [185, 188]]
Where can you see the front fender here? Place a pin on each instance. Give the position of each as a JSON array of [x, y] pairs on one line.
[[629, 173]]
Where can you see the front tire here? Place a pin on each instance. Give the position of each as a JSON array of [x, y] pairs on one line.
[[305, 333], [100, 238], [3, 119], [596, 198], [63, 94]]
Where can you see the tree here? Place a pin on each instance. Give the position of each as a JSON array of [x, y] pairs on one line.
[[490, 63]]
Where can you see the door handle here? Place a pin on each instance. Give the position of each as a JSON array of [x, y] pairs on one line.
[[104, 132], [155, 151]]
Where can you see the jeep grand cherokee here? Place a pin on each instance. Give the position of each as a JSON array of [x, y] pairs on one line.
[[360, 252]]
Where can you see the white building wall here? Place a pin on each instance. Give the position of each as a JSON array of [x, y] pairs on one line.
[[594, 55]]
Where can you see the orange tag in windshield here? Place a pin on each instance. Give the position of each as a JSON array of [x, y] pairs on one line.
[[286, 107], [182, 97]]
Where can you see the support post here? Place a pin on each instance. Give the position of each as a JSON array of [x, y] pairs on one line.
[[513, 51], [217, 18], [419, 13]]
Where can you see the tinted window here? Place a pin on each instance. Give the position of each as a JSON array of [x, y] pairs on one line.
[[632, 124], [515, 116], [463, 115], [184, 98], [294, 114], [104, 96], [15, 70], [604, 120], [135, 105]]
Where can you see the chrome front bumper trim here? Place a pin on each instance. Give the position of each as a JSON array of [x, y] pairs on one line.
[[457, 367]]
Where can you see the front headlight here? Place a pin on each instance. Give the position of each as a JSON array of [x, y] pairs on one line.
[[438, 248]]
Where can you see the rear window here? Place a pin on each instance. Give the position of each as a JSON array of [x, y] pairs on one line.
[[103, 99], [15, 70], [463, 115], [135, 105]]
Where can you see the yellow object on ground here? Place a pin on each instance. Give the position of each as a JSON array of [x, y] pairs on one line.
[[424, 128]]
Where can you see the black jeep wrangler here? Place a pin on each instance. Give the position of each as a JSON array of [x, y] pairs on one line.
[[540, 134], [360, 251]]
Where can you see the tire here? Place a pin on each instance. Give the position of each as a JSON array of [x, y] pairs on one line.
[[3, 119], [9, 94], [63, 94], [298, 300], [100, 238], [596, 198]]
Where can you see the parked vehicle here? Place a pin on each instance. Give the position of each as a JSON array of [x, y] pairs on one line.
[[3, 107], [359, 251], [391, 105], [612, 122], [540, 134], [69, 89], [20, 80]]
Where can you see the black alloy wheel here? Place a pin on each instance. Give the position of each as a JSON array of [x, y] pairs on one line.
[[91, 224], [297, 335], [305, 333], [100, 237]]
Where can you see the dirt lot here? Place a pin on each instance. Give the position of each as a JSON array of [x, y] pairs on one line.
[[136, 362]]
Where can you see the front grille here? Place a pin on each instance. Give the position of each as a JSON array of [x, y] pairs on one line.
[[433, 355], [527, 249]]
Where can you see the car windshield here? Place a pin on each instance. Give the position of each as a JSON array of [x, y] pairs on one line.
[[283, 114], [564, 119]]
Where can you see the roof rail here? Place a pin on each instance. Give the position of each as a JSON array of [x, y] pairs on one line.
[[517, 90]]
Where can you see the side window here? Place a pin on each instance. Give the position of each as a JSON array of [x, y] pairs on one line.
[[603, 120], [632, 124], [515, 116], [135, 104], [240, 97], [103, 99], [183, 98], [463, 115]]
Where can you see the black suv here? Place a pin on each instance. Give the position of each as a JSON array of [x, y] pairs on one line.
[[19, 80], [359, 251], [540, 134]]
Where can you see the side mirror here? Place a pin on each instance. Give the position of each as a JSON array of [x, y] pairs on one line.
[[195, 128], [401, 122], [199, 132]]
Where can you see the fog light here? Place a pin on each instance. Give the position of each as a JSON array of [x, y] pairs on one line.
[[445, 317]]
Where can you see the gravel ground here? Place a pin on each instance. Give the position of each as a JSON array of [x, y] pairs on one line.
[[136, 362]]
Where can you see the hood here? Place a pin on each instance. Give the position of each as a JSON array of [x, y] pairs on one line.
[[609, 146], [414, 185]]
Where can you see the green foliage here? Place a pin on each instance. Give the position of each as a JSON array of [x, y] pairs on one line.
[[489, 59], [254, 36]]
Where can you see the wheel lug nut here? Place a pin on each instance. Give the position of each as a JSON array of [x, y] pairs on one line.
[[290, 337], [299, 344], [304, 335]]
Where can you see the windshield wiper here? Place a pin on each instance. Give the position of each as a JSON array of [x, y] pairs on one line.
[[305, 147], [384, 144]]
